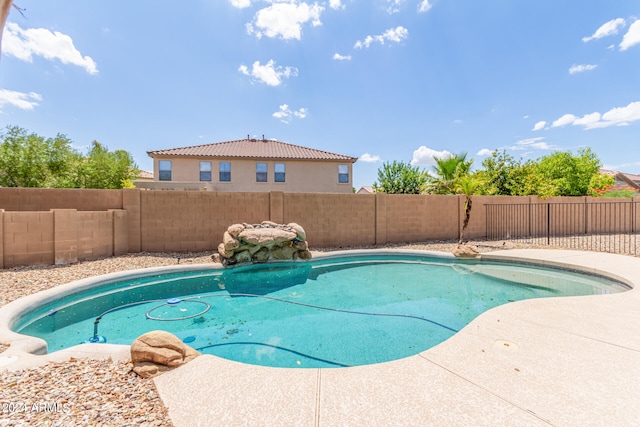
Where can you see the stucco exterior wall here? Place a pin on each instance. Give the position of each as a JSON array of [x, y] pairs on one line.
[[301, 176]]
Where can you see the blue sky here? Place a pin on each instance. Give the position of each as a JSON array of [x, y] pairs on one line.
[[380, 80]]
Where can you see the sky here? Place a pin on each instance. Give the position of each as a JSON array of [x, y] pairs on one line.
[[381, 80]]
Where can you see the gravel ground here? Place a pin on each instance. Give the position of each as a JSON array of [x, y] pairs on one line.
[[93, 392]]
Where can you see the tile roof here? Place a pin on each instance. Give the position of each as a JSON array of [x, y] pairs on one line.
[[252, 149], [145, 175]]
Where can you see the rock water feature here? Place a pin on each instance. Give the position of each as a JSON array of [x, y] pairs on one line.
[[243, 243]]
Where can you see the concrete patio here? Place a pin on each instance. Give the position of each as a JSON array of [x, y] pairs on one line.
[[572, 361]]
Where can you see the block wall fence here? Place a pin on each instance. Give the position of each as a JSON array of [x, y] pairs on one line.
[[60, 226]]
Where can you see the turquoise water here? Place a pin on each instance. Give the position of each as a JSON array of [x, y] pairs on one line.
[[327, 313]]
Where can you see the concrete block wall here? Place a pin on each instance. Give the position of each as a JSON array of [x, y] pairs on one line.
[[65, 236], [27, 238], [44, 199], [94, 235], [62, 229], [60, 236], [332, 219], [195, 220], [415, 218]]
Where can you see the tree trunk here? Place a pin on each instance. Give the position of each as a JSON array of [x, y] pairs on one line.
[[5, 5], [467, 217]]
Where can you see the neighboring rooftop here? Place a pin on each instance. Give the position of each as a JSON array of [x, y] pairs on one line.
[[145, 175], [251, 148], [624, 181]]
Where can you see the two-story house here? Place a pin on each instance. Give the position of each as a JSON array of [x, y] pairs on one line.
[[248, 165]]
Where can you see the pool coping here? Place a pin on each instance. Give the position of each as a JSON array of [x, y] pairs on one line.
[[567, 361]]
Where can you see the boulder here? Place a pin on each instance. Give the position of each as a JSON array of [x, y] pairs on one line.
[[283, 252], [261, 255], [465, 251], [266, 236], [302, 235], [230, 242], [222, 250], [159, 351], [235, 229], [244, 256], [243, 243], [300, 245]]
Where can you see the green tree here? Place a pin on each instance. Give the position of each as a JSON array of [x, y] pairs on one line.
[[399, 178], [106, 169], [570, 174], [448, 170], [600, 184], [29, 160]]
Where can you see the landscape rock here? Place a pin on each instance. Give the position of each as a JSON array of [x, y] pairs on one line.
[[159, 351], [235, 229], [465, 251], [265, 236], [299, 230], [230, 242], [244, 243]]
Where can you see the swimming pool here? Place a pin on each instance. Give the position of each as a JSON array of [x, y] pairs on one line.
[[332, 312]]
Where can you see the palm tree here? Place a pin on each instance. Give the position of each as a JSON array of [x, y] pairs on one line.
[[448, 170], [467, 185]]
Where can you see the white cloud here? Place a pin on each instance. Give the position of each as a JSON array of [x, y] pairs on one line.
[[24, 101], [620, 116], [581, 68], [336, 4], [564, 120], [540, 125], [392, 34], [339, 57], [24, 44], [526, 144], [240, 4], [394, 6], [424, 6], [424, 156], [484, 152], [268, 73], [588, 120], [368, 158], [285, 114], [609, 28], [285, 19], [632, 37]]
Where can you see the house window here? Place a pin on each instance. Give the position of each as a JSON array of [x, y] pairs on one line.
[[279, 172], [164, 166], [225, 171], [205, 171], [343, 174], [261, 172]]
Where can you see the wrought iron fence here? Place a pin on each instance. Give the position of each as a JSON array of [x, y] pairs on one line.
[[595, 226]]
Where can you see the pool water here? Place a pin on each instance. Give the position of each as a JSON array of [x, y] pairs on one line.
[[329, 313]]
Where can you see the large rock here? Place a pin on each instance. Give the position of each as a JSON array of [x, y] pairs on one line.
[[283, 252], [159, 351], [235, 229], [230, 242], [302, 235], [466, 251], [244, 243], [266, 236]]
